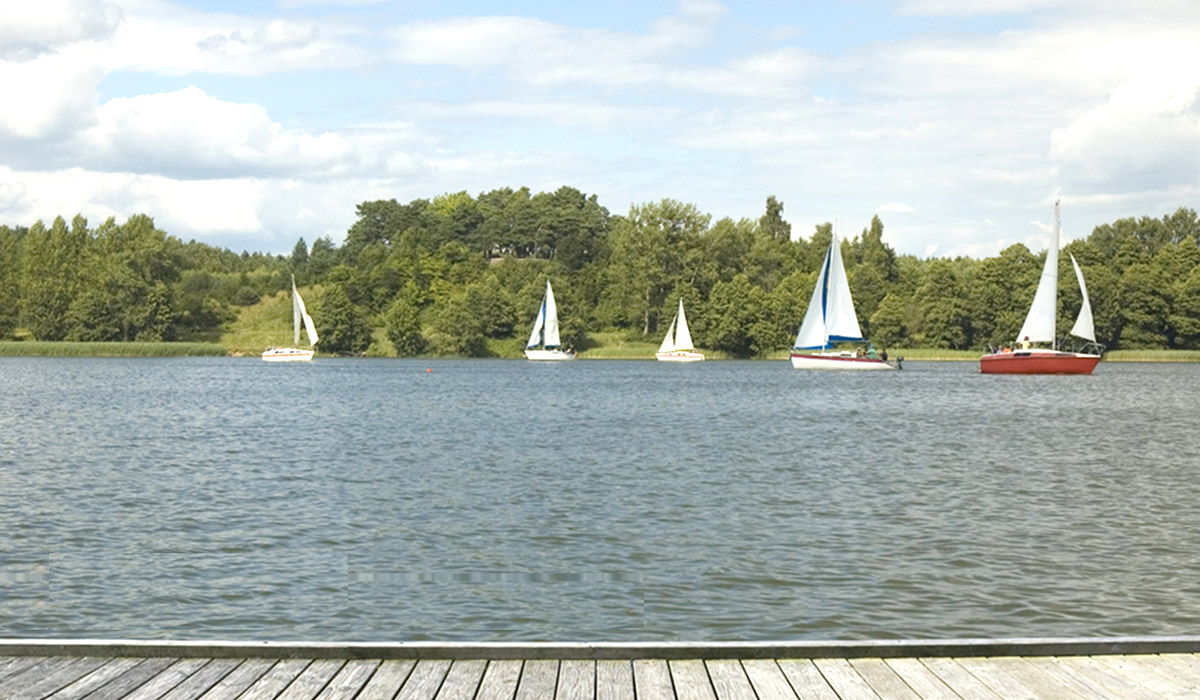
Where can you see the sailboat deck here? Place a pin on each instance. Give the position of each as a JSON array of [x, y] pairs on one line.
[[1145, 669]]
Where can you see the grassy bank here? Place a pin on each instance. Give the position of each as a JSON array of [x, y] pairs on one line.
[[41, 348], [1152, 356], [266, 324]]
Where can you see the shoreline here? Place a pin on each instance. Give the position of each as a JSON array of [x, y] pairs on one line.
[[134, 349]]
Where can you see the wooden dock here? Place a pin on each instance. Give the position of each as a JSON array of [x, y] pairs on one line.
[[1074, 669]]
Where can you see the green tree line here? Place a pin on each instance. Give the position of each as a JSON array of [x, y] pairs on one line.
[[456, 274]]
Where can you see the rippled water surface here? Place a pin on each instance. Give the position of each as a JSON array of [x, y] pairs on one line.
[[385, 500]]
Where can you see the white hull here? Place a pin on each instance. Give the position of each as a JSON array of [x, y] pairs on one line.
[[679, 356], [845, 360], [548, 355], [287, 355]]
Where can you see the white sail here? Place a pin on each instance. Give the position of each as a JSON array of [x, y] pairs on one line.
[[545, 327], [551, 318], [812, 330], [545, 333], [830, 314], [300, 313], [535, 336], [841, 323], [1083, 328], [668, 341], [296, 314], [1040, 322], [683, 337]]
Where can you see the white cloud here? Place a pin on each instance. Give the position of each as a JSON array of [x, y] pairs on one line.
[[189, 134], [48, 97], [708, 104], [540, 53], [198, 206], [976, 7], [1147, 135], [31, 29], [169, 39]]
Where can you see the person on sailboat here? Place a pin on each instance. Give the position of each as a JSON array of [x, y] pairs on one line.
[[1025, 344]]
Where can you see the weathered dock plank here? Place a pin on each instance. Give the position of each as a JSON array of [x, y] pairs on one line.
[[53, 679], [239, 679], [349, 680], [997, 674], [1151, 672], [165, 680], [272, 683], [425, 679], [539, 677], [15, 664], [387, 679], [614, 679], [955, 675], [598, 672], [202, 680], [111, 669], [132, 680], [768, 680], [729, 680], [1062, 671], [652, 680], [311, 680], [500, 680], [691, 681], [576, 680], [924, 682], [883, 679], [845, 680], [807, 679], [462, 680]]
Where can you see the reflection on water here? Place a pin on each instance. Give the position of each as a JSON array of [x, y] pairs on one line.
[[503, 500]]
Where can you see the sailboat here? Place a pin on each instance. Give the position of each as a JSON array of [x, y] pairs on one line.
[[677, 344], [831, 319], [1040, 327], [543, 342], [299, 315]]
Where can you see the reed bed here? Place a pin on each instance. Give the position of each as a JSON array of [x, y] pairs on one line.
[[1152, 356], [44, 348]]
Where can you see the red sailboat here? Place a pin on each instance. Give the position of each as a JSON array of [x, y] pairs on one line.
[[1039, 327]]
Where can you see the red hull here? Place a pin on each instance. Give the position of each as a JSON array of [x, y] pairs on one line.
[[1038, 362]]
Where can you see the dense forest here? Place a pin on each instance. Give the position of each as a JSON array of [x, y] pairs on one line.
[[462, 275]]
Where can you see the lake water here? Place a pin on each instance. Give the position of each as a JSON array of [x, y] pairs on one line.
[[392, 500]]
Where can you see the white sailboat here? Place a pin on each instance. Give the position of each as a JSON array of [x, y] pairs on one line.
[[831, 319], [677, 344], [1041, 327], [544, 343], [299, 316]]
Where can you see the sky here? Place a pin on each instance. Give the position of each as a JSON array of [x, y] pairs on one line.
[[249, 124]]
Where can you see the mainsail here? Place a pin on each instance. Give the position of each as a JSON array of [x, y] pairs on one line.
[[1039, 324], [300, 312], [678, 336], [830, 317], [546, 325]]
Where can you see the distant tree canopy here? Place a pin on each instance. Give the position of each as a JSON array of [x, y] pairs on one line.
[[452, 274]]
